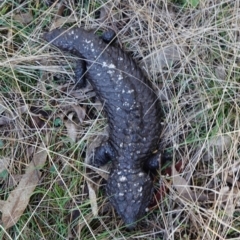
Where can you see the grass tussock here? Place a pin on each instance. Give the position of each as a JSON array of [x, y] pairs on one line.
[[189, 50]]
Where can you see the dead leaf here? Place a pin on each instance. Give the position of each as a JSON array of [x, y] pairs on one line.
[[229, 208], [104, 13], [237, 196], [179, 182], [81, 94], [211, 149], [22, 109], [81, 112], [184, 190], [232, 181], [75, 116], [216, 146], [9, 115], [2, 108], [23, 18], [103, 172], [227, 201], [71, 127], [13, 180], [98, 105], [220, 72], [93, 198], [4, 162], [9, 40], [4, 120], [18, 199], [1, 205], [61, 21], [39, 117], [164, 57]]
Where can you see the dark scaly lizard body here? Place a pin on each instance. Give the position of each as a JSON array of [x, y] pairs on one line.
[[133, 113]]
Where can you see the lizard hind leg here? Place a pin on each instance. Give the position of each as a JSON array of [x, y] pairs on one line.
[[102, 154], [157, 160]]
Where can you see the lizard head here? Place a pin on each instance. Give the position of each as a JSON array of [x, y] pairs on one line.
[[130, 193]]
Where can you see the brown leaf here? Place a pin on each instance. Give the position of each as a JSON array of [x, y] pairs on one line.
[[4, 162], [80, 94], [62, 20], [71, 127], [75, 116], [216, 146], [164, 57], [18, 199], [220, 72], [9, 115], [179, 182], [14, 179], [22, 109], [39, 117], [4, 120], [229, 204], [103, 172], [23, 18], [1, 204], [184, 189], [81, 112], [9, 40], [93, 198], [2, 108]]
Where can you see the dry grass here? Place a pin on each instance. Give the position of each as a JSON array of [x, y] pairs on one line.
[[191, 54]]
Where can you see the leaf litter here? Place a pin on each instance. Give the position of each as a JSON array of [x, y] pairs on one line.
[[18, 199]]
